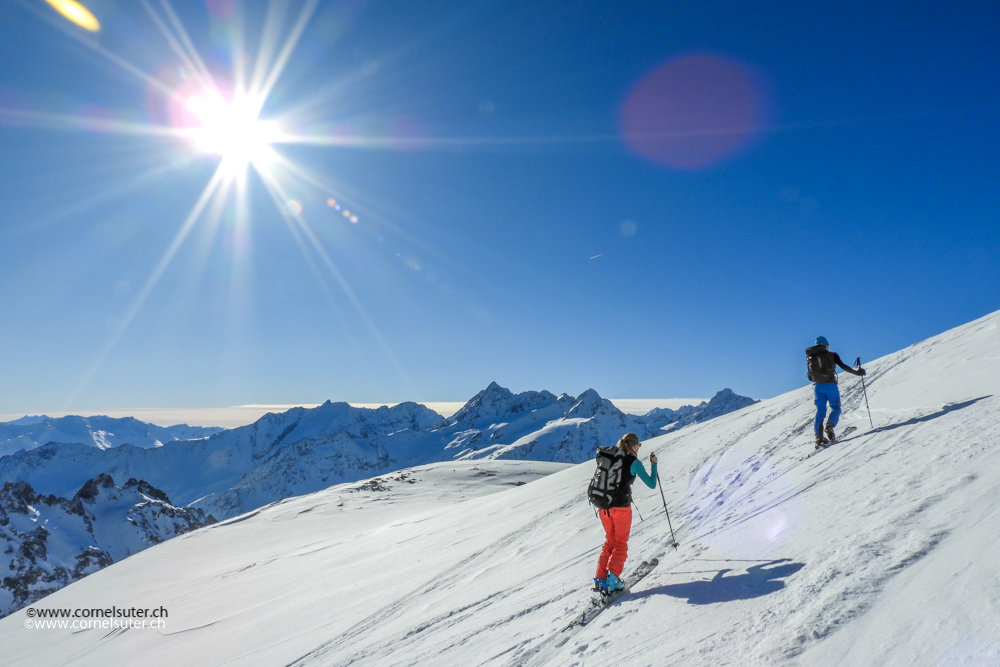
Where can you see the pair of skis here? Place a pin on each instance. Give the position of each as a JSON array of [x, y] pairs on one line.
[[826, 443], [602, 602], [819, 448]]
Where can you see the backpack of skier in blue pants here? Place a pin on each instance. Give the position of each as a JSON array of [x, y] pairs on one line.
[[821, 365]]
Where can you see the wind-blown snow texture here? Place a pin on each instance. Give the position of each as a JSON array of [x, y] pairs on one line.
[[99, 432], [881, 550], [48, 542], [305, 450]]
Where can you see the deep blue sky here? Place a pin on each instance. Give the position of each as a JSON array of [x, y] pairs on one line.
[[864, 209]]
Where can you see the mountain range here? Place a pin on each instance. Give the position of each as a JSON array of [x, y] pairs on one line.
[[306, 449]]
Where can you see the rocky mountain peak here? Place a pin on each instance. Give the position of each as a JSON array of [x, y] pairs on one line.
[[138, 516], [483, 404], [93, 487], [590, 404], [146, 489], [724, 401]]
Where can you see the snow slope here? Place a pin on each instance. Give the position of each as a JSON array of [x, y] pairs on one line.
[[881, 550]]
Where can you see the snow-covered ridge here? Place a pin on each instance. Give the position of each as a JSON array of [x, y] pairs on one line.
[[304, 450], [48, 542], [880, 551], [101, 432]]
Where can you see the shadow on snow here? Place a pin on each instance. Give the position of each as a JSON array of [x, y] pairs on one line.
[[951, 407], [759, 580]]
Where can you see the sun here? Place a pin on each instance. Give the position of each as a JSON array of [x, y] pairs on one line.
[[198, 105], [231, 130]]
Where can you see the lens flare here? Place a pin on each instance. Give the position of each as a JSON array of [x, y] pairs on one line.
[[222, 9], [76, 13], [971, 651], [406, 133], [743, 504], [695, 111]]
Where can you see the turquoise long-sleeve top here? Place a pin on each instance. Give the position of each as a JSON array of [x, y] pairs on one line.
[[639, 471]]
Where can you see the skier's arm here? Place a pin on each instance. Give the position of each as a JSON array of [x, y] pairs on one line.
[[639, 471], [845, 366]]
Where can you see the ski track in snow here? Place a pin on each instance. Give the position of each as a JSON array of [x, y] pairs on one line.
[[879, 550]]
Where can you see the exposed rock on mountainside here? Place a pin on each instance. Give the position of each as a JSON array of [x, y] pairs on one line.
[[47, 542]]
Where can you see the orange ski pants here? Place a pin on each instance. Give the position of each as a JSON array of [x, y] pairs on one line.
[[617, 523]]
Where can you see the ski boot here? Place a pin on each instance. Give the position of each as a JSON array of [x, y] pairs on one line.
[[601, 586], [830, 435], [821, 442], [614, 583]]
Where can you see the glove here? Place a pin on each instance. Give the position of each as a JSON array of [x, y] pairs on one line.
[[862, 372]]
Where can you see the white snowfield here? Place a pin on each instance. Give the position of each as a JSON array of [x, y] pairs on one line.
[[882, 550]]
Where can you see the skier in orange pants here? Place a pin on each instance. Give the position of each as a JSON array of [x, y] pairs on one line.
[[617, 519]]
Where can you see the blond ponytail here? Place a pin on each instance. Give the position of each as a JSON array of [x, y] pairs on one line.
[[628, 442]]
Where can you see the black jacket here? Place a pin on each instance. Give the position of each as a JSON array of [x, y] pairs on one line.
[[833, 361], [623, 498]]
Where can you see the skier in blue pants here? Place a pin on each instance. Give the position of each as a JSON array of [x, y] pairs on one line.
[[821, 364]]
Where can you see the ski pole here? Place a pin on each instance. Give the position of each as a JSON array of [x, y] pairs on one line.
[[660, 484], [857, 364], [637, 510]]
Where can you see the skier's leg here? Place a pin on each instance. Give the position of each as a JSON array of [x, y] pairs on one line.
[[609, 544], [833, 395], [622, 517], [820, 408]]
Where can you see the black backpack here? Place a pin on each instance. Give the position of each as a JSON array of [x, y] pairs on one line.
[[605, 485], [820, 367]]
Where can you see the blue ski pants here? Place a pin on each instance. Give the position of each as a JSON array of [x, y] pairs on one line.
[[827, 392]]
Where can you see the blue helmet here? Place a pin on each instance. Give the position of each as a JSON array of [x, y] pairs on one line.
[[821, 340]]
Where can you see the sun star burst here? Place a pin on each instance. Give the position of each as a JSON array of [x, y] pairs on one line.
[[231, 130]]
